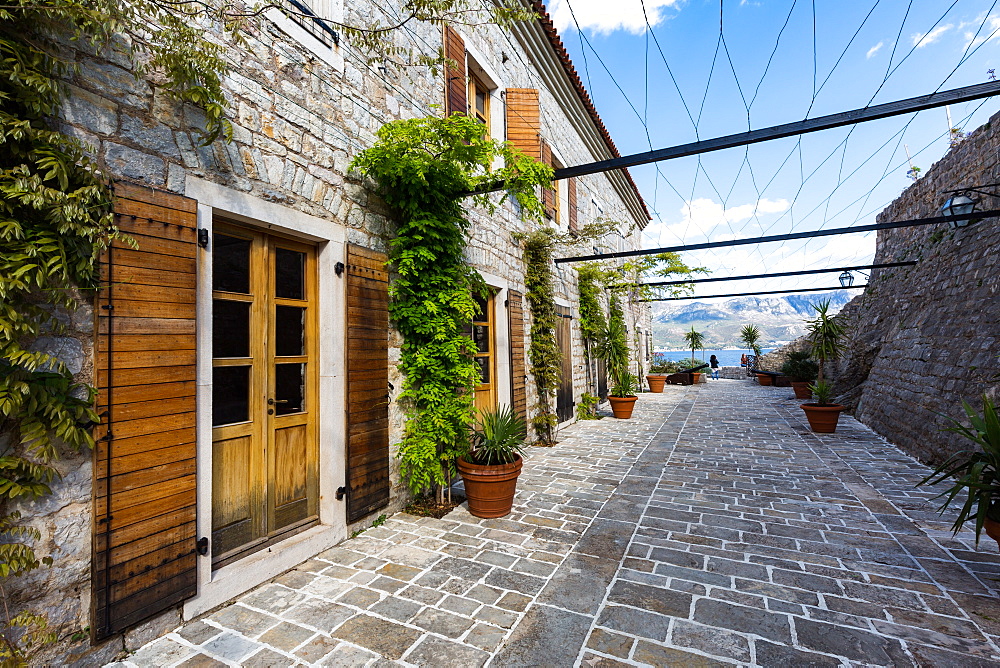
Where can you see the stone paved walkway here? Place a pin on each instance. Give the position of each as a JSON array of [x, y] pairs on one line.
[[712, 529]]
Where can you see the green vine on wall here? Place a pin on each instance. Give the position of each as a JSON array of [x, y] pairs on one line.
[[423, 167], [543, 354], [55, 216]]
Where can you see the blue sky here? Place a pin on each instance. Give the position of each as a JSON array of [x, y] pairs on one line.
[[887, 50]]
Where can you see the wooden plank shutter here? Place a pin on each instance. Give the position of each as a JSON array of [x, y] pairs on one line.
[[367, 382], [515, 322], [456, 89], [144, 489], [571, 204], [564, 393], [548, 194], [523, 121]]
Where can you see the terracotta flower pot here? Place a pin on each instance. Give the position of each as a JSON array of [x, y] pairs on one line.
[[823, 419], [490, 489], [992, 528], [763, 379], [698, 377], [802, 390], [656, 383], [622, 406]]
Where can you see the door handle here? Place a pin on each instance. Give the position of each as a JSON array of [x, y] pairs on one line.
[[271, 402]]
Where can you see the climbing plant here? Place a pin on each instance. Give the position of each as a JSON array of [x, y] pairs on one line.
[[423, 167], [590, 280], [55, 216], [543, 354]]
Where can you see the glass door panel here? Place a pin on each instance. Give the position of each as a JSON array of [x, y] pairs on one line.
[[265, 454]]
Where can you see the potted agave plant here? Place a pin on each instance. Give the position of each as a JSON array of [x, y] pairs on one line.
[[975, 472], [825, 337], [802, 371], [491, 467]]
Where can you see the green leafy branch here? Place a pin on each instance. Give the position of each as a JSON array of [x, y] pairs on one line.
[[422, 167]]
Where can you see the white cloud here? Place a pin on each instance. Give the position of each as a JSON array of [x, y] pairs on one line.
[[988, 33], [872, 51], [605, 17], [704, 218], [922, 39]]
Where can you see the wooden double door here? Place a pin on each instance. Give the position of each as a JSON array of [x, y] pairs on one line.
[[265, 471]]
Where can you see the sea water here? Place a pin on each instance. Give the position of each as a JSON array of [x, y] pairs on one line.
[[726, 357]]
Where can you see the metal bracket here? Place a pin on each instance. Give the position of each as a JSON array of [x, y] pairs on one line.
[[339, 269], [203, 237], [201, 546], [341, 493]]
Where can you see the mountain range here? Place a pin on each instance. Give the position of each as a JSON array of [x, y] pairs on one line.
[[780, 319]]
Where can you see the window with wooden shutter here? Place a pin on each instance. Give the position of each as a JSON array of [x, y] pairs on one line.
[[523, 121], [456, 78], [550, 196], [571, 213], [367, 382], [518, 379], [144, 474]]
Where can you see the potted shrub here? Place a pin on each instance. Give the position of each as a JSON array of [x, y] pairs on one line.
[[622, 395], [491, 467], [975, 472], [624, 384], [802, 372], [825, 339], [657, 377]]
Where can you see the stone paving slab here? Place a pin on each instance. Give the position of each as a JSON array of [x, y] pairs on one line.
[[712, 529]]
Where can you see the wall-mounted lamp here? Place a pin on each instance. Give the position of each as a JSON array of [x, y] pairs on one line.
[[846, 279], [963, 203]]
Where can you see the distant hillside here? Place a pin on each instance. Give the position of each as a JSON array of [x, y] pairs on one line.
[[780, 319]]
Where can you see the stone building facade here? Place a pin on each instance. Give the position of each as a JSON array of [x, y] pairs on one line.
[[923, 339], [302, 106]]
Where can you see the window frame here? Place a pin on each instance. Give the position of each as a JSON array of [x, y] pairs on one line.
[[477, 85]]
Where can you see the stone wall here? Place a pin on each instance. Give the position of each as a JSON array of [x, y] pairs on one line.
[[924, 338], [300, 112]]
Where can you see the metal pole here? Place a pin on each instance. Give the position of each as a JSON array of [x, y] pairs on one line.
[[752, 294], [886, 265], [978, 215]]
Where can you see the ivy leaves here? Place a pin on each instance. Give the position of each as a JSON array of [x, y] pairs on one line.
[[543, 353], [423, 167]]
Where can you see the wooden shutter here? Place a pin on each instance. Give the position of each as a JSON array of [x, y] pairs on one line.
[[548, 194], [144, 490], [523, 122], [367, 382], [515, 323], [571, 215], [564, 393], [456, 89]]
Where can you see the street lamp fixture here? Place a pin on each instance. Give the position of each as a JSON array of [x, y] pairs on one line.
[[963, 203], [959, 204], [846, 279]]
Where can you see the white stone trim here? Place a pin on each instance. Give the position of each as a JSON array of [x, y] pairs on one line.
[[330, 55], [230, 581]]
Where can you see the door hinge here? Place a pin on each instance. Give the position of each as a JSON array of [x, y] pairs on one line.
[[341, 493], [201, 546]]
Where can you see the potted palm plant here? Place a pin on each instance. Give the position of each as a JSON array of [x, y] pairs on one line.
[[750, 334], [697, 342], [802, 372], [624, 385], [825, 338], [490, 468], [975, 472]]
